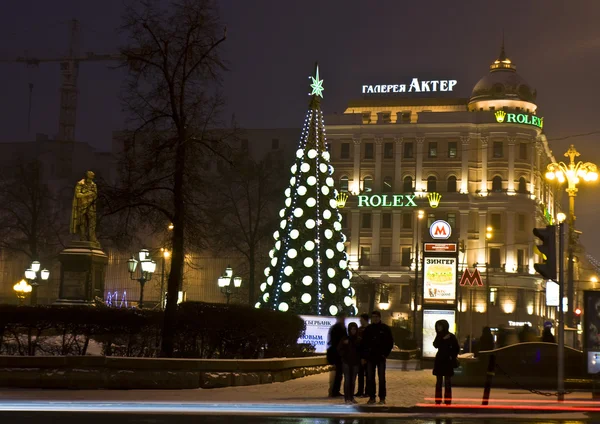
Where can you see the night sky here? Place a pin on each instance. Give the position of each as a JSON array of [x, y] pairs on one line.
[[272, 46]]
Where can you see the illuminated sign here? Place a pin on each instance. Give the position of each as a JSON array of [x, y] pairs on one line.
[[440, 230], [341, 199], [430, 317], [439, 278], [317, 330], [552, 293], [519, 118], [434, 199], [394, 200], [440, 247], [471, 278], [415, 86]]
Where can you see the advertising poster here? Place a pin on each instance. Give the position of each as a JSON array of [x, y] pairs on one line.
[[430, 317], [317, 330], [591, 330], [439, 279]]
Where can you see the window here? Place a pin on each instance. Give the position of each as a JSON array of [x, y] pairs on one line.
[[407, 186], [408, 150], [431, 183], [407, 220], [496, 221], [452, 149], [497, 184], [451, 184], [366, 220], [521, 222], [405, 294], [275, 144], [368, 184], [432, 149], [498, 153], [405, 259], [493, 295], [344, 219], [387, 184], [386, 220], [344, 183], [365, 256], [522, 185], [388, 150], [345, 152], [368, 150], [386, 256], [523, 151], [430, 219], [494, 257], [451, 219], [406, 117]]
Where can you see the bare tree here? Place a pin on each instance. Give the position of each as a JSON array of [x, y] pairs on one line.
[[173, 97]]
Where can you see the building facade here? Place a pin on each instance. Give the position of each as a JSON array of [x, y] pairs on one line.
[[483, 159]]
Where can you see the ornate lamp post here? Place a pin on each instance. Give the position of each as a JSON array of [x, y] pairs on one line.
[[224, 282], [22, 289], [147, 268], [420, 215], [572, 174], [33, 274]]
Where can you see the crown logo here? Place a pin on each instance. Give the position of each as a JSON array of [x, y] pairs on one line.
[[434, 199], [500, 115], [341, 200]]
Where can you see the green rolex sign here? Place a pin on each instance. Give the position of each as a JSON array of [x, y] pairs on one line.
[[519, 118]]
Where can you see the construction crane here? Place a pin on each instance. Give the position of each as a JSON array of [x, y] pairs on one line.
[[69, 68]]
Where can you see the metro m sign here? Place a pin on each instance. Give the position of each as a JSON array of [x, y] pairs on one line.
[[471, 278], [440, 230]]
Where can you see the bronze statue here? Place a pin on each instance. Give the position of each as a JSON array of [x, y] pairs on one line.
[[83, 214]]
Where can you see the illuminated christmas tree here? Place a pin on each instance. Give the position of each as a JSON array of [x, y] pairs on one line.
[[309, 266]]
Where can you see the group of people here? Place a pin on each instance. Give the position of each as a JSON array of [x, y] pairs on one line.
[[362, 352], [505, 338], [359, 352]]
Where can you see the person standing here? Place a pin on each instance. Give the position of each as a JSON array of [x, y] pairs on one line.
[[349, 352], [486, 341], [362, 370], [547, 336], [336, 333], [445, 360], [376, 346]]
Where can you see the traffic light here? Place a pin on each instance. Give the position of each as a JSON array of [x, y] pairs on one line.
[[577, 316], [547, 235]]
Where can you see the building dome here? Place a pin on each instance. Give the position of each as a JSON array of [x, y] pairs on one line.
[[503, 88]]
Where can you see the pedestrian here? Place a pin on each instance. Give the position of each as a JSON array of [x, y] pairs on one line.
[[445, 360], [362, 370], [350, 354], [486, 341], [376, 346], [336, 333], [526, 335], [547, 336]]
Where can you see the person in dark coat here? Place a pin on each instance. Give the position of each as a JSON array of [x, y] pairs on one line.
[[526, 335], [486, 341], [445, 360], [336, 333], [350, 354], [547, 336], [376, 346], [362, 370]]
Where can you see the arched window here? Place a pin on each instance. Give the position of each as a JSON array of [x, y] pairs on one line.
[[522, 185], [497, 184], [368, 184], [407, 187], [431, 183], [344, 183], [451, 184], [387, 185]]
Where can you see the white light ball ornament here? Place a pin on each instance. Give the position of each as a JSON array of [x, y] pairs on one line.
[[332, 288], [340, 246], [309, 245], [283, 307], [282, 224], [294, 168], [294, 234], [343, 264], [328, 233], [308, 262], [348, 301], [329, 181], [305, 167], [276, 234], [288, 202], [270, 280], [273, 262], [311, 202], [257, 305], [331, 272], [288, 270], [263, 287], [286, 287], [311, 181], [306, 298], [310, 224], [282, 213], [298, 212], [278, 244], [272, 253], [299, 153], [332, 203], [312, 153], [325, 190], [267, 271], [292, 253], [323, 167], [293, 181], [288, 192], [325, 155], [345, 283], [329, 253], [302, 190], [326, 214], [333, 310], [307, 280], [266, 297], [337, 226]]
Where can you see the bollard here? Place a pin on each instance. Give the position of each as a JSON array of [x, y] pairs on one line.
[[491, 372]]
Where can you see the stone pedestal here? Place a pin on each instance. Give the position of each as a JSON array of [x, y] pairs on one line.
[[82, 272]]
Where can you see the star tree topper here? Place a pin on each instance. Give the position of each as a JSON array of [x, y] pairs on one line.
[[317, 84]]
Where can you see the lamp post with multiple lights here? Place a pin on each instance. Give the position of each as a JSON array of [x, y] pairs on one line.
[[225, 280], [33, 274], [146, 269], [22, 289]]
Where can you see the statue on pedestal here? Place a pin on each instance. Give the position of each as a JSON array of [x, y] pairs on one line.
[[83, 214]]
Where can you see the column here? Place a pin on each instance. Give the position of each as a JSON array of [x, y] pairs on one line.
[[355, 236], [536, 185], [419, 167], [511, 165], [355, 188], [375, 238], [378, 157], [464, 179], [482, 255], [396, 223], [484, 161], [398, 165], [509, 237]]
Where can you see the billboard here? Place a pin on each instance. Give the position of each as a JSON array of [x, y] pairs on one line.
[[552, 293], [439, 279], [317, 330], [591, 330], [430, 316]]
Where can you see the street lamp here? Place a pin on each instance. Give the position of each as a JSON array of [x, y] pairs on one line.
[[165, 255], [34, 274], [22, 289], [572, 174], [489, 233], [147, 268], [560, 217], [224, 282], [420, 215]]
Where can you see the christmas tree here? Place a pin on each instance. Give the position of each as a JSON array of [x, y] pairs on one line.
[[309, 266]]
